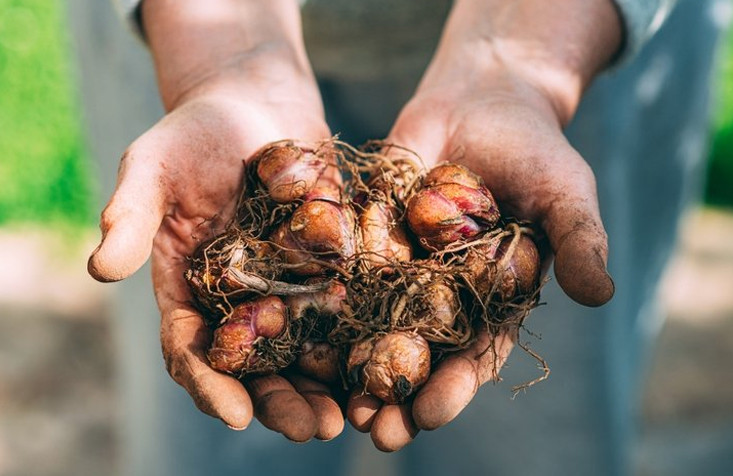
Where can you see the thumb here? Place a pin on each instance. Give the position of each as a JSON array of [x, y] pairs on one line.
[[573, 224], [423, 134], [130, 220]]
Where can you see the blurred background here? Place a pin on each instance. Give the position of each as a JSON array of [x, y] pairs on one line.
[[59, 411]]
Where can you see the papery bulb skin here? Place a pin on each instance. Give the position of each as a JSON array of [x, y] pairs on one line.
[[232, 349], [320, 229], [516, 276], [453, 205], [384, 240], [391, 367], [443, 305], [290, 171]]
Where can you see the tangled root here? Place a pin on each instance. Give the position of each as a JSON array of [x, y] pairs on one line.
[[443, 294]]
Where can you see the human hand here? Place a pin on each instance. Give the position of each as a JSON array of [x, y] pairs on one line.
[[178, 184], [498, 107]]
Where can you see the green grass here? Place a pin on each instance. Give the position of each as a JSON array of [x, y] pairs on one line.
[[719, 190], [44, 173]]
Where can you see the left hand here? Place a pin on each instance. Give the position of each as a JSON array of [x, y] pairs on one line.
[[504, 122], [232, 78]]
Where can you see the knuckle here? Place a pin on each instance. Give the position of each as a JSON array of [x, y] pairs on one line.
[[126, 159], [106, 219], [114, 209]]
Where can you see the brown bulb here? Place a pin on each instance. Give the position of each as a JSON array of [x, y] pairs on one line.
[[321, 303], [232, 349], [452, 173], [442, 305], [391, 367], [320, 360], [453, 205], [320, 229], [383, 239], [289, 171], [509, 277]]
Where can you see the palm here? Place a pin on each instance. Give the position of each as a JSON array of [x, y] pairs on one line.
[[510, 135], [199, 153], [178, 184]]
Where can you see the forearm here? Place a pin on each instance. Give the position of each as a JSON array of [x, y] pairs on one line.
[[195, 44], [556, 46]]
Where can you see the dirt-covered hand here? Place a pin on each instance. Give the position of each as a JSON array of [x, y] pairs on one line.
[[178, 184], [508, 133], [502, 85]]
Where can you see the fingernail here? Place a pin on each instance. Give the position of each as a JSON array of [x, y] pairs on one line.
[[610, 289], [236, 428]]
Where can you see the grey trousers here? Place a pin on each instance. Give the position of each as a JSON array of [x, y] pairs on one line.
[[643, 129]]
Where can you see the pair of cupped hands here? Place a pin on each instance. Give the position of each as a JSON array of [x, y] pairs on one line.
[[180, 180]]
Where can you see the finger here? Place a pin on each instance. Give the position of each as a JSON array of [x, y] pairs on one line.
[[573, 224], [393, 427], [184, 338], [361, 410], [327, 411], [456, 380], [130, 220], [279, 407]]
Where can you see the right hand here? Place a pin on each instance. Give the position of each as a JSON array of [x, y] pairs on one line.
[[178, 184], [505, 79]]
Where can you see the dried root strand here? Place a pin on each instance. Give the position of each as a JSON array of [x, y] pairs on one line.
[[418, 296], [383, 172], [541, 364], [391, 306]]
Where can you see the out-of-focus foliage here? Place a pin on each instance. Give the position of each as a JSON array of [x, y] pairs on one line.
[[719, 189], [44, 173]]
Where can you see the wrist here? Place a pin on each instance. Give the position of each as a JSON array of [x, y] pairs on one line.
[[556, 48], [256, 77], [221, 44]]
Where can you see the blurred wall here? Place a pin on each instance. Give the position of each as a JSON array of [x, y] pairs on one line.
[[116, 75]]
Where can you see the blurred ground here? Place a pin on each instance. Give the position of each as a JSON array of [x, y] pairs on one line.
[[58, 406], [57, 400], [688, 404]]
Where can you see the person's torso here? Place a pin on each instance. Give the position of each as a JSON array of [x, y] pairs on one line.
[[371, 39]]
